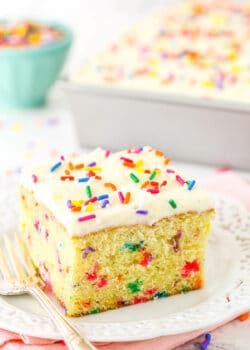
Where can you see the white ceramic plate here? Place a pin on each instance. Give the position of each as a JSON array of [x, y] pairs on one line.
[[227, 291]]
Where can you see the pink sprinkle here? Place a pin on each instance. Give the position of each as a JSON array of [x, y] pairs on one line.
[[180, 180], [46, 234], [121, 197], [36, 224], [87, 217], [223, 169], [127, 160], [90, 200], [34, 178], [170, 171], [62, 158], [153, 190], [107, 153]]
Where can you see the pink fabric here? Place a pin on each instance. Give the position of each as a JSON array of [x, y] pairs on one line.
[[223, 182]]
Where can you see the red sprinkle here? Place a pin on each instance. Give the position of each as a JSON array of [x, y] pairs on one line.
[[128, 160], [153, 190], [103, 282], [90, 200], [163, 183], [189, 267], [70, 178], [87, 217], [151, 291], [138, 300]]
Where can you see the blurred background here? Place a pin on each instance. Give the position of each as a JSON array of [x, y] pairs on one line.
[[93, 22]]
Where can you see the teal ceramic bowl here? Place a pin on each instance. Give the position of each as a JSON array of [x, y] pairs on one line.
[[27, 74]]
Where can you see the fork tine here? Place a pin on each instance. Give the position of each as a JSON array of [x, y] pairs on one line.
[[25, 256], [4, 268], [17, 267], [33, 277]]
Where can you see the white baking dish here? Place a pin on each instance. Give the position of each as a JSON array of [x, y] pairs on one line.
[[186, 128]]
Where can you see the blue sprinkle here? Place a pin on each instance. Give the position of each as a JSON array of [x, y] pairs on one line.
[[206, 342], [142, 212], [105, 203], [54, 167], [160, 295], [102, 196], [83, 179], [191, 185], [92, 164]]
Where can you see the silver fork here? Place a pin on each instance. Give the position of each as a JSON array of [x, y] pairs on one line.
[[20, 277]]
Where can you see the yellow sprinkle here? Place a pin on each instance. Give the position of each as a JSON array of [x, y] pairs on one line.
[[232, 56], [153, 74], [208, 84], [153, 62], [93, 168], [139, 163], [23, 225], [90, 207], [140, 170], [77, 203], [158, 171], [236, 69]]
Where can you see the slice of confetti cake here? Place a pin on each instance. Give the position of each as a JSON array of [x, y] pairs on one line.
[[107, 230]]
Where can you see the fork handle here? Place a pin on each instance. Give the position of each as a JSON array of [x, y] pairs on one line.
[[71, 336]]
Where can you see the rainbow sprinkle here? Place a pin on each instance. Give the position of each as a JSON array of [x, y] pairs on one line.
[[172, 203], [191, 185], [88, 191], [87, 217], [206, 342], [55, 166], [134, 177], [102, 196], [105, 203], [83, 179], [142, 212]]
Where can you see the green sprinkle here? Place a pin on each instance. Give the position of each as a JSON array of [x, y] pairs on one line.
[[61, 245], [185, 290], [172, 203], [134, 177], [133, 247], [135, 286], [152, 175], [88, 191], [71, 297], [162, 294], [95, 310]]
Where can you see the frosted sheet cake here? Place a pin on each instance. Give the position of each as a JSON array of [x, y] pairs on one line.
[[192, 48], [106, 230]]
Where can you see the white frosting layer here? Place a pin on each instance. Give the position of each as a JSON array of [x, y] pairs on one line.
[[55, 193]]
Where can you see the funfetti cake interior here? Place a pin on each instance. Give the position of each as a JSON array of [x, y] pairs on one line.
[[191, 48], [107, 230]]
